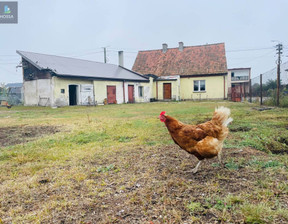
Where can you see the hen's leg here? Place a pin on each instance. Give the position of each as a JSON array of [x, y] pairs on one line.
[[220, 153], [219, 157], [196, 167]]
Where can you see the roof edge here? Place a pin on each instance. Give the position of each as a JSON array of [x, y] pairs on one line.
[[99, 78], [185, 47], [19, 52], [136, 73], [27, 59], [238, 69]]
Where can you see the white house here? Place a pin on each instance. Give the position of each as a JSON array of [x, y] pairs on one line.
[[50, 80]]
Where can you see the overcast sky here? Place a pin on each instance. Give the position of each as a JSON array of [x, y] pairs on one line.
[[82, 28]]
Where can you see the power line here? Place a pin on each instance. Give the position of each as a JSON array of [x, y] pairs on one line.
[[90, 53], [14, 73], [255, 49], [9, 63], [254, 58]]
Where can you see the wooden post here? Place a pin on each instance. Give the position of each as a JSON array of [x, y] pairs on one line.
[[261, 102]]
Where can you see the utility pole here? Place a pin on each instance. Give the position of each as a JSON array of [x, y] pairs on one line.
[[261, 101], [279, 52], [105, 59]]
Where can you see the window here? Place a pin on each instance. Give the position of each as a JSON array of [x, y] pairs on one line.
[[232, 74], [199, 86], [140, 90], [62, 90]]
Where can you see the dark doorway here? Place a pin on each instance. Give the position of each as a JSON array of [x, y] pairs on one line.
[[167, 91], [130, 94], [72, 95], [111, 94]]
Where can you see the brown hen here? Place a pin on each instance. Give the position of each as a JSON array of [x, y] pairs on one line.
[[203, 140]]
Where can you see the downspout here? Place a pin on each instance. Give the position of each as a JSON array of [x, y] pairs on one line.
[[157, 90], [224, 86], [123, 91], [94, 103]]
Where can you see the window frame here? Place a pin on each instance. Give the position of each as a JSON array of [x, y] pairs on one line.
[[199, 86], [142, 91]]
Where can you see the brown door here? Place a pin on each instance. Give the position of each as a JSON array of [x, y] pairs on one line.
[[130, 94], [111, 94], [236, 93], [167, 91]]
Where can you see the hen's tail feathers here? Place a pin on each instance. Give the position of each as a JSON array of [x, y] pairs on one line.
[[221, 115]]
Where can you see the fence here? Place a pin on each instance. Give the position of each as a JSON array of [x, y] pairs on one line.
[[13, 96], [264, 88]]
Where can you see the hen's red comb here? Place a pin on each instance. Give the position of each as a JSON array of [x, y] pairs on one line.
[[163, 113]]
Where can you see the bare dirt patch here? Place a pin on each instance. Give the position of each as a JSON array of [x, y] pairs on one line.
[[151, 185], [164, 186], [21, 134]]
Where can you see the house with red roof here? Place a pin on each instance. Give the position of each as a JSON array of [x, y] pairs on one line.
[[185, 72]]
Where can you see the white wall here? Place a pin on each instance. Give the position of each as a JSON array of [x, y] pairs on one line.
[[240, 73], [38, 92], [100, 89], [146, 91], [47, 92], [62, 99]]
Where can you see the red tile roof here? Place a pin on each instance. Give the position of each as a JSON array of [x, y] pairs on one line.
[[193, 60]]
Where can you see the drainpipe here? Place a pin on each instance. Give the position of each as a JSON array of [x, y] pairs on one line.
[[224, 86], [94, 103], [157, 90], [123, 91]]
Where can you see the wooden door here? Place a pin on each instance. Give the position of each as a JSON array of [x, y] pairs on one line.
[[111, 94], [236, 93], [86, 94], [167, 91], [130, 93]]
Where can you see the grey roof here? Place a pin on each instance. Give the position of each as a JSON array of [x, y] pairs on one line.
[[65, 66], [14, 85]]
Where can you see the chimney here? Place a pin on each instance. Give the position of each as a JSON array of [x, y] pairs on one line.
[[164, 48], [121, 59], [181, 46]]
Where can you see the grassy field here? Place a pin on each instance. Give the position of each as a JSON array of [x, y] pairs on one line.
[[118, 164]]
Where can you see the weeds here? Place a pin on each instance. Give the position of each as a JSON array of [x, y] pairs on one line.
[[231, 165], [259, 213], [194, 207], [105, 169]]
